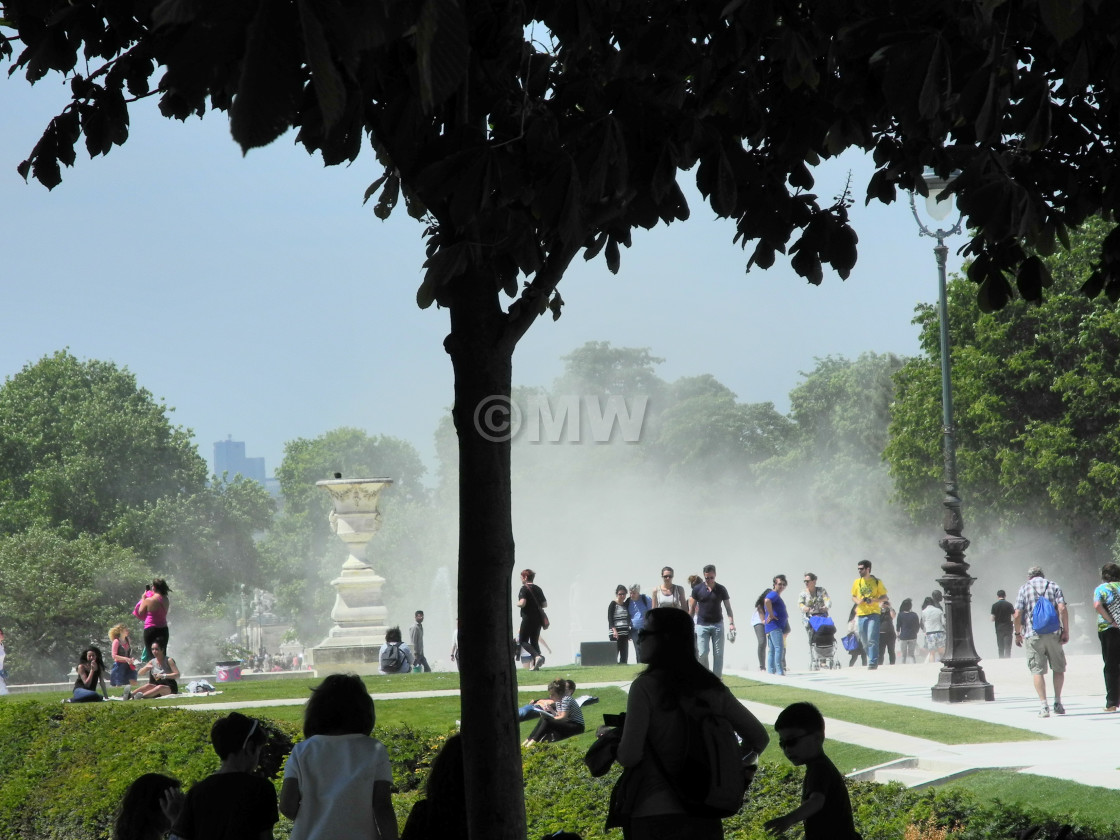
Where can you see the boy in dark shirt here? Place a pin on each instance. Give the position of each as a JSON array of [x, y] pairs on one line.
[[825, 806], [232, 804]]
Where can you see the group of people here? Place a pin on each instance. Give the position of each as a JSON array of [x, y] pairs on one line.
[[874, 626], [1040, 624], [127, 668], [396, 657], [706, 602], [336, 781]]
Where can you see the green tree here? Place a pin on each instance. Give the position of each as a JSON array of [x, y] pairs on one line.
[[206, 540], [1036, 392], [81, 444], [833, 470], [712, 438], [526, 133], [59, 594]]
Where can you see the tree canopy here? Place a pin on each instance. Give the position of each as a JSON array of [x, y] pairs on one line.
[[1036, 392], [81, 443]]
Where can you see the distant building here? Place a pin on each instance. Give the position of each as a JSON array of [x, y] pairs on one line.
[[229, 458]]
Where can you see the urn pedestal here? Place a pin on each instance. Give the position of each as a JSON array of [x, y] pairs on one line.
[[354, 643]]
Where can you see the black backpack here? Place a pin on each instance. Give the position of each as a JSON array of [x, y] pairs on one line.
[[710, 781]]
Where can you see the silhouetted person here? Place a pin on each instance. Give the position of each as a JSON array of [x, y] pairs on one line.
[[442, 813], [826, 808]]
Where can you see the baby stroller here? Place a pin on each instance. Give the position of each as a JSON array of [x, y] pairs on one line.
[[822, 643]]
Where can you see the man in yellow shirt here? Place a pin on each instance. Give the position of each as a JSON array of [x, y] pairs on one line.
[[868, 593]]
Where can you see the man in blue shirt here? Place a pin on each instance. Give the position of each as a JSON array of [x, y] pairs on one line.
[[707, 604]]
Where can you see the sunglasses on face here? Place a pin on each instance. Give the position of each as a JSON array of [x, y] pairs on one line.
[[786, 743]]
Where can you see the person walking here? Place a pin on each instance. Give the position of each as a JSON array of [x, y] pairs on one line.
[[813, 600], [1044, 643], [776, 621], [868, 593], [531, 601], [1002, 613], [758, 622], [707, 604], [669, 594], [618, 624], [638, 606], [887, 633], [907, 624], [1106, 601], [932, 622], [654, 744], [416, 642]]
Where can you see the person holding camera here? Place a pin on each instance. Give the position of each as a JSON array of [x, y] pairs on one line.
[[868, 594]]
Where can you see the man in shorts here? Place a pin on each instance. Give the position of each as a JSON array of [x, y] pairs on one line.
[[1043, 649]]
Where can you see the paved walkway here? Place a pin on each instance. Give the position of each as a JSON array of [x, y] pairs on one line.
[[1078, 755]]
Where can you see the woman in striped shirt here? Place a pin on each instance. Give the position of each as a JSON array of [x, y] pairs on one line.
[[565, 722]]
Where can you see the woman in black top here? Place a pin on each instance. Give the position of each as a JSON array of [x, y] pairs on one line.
[[618, 623], [532, 602]]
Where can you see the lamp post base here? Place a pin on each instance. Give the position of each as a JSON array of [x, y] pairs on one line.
[[962, 683], [961, 678]]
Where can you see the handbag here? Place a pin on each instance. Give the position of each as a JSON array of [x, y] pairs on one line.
[[544, 615], [600, 755], [1113, 605], [850, 642]]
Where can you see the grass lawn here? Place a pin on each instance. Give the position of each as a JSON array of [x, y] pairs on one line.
[[1068, 800]]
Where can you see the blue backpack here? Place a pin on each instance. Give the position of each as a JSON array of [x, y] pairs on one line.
[[1044, 618]]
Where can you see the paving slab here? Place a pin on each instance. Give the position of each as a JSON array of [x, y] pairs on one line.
[[1081, 753]]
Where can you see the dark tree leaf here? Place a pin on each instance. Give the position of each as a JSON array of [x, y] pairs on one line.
[[268, 92], [1033, 276], [442, 49], [329, 88]]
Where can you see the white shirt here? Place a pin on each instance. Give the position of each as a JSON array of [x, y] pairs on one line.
[[336, 775]]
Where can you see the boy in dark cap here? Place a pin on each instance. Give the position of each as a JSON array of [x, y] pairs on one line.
[[232, 804]]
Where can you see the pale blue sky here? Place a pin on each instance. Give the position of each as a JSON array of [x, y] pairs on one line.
[[260, 298]]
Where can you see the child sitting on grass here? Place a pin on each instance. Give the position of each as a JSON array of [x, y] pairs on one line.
[[231, 804], [825, 806]]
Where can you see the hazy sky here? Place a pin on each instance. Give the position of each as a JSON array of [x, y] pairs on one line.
[[260, 299]]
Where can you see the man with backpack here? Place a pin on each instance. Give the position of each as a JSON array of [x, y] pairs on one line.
[[1042, 620]]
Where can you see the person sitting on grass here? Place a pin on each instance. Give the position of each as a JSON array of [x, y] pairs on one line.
[[565, 721], [91, 674], [163, 676], [545, 705], [233, 803], [825, 808]]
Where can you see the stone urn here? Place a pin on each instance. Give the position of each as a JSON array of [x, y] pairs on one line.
[[359, 614]]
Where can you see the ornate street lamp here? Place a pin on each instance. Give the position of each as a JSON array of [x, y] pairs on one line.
[[961, 677]]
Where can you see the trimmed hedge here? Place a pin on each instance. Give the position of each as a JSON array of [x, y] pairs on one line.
[[63, 772]]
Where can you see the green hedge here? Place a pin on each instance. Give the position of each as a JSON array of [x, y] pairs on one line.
[[62, 773]]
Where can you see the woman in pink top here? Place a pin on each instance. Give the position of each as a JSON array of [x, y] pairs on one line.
[[152, 609]]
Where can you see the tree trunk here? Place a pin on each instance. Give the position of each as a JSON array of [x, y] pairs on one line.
[[482, 356]]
